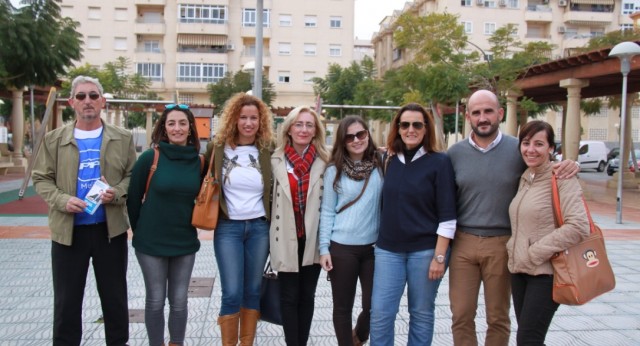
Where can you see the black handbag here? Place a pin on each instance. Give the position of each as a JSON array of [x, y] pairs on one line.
[[270, 310]]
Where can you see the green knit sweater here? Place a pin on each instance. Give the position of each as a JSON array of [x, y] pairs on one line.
[[162, 225]]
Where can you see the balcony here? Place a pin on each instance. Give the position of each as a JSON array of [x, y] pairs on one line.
[[198, 27], [587, 18], [150, 57], [538, 13], [250, 31], [149, 28], [150, 2], [266, 60], [202, 58]]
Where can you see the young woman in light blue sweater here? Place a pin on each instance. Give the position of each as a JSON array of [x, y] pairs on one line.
[[349, 222]]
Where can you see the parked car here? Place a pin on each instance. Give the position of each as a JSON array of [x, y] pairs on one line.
[[591, 155], [613, 153], [614, 164]]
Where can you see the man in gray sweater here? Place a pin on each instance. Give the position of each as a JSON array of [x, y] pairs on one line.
[[488, 167]]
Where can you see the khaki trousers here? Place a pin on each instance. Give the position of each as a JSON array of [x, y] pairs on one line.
[[476, 260]]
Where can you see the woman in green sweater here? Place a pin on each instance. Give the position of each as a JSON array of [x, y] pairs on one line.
[[160, 217]]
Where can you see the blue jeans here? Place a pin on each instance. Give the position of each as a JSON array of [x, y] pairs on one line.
[[166, 277], [393, 271], [241, 248]]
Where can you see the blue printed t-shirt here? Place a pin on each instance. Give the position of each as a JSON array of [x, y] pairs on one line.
[[88, 171]]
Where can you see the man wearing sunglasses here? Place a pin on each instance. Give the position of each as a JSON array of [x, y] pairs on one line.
[[487, 167], [71, 159]]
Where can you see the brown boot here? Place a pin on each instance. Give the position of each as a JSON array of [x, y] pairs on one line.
[[248, 323], [229, 329]]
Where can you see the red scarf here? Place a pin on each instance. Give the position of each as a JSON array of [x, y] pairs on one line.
[[299, 182]]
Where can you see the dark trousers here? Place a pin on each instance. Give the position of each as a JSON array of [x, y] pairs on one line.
[[351, 262], [297, 295], [534, 307], [70, 264]]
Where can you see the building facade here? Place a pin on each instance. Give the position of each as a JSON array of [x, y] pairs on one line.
[[566, 24], [184, 45]]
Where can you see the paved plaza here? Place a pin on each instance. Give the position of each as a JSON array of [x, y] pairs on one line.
[[26, 296]]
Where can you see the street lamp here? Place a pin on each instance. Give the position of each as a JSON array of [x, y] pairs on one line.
[[623, 51]]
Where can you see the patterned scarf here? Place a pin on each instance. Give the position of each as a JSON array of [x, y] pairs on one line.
[[357, 170], [299, 182]]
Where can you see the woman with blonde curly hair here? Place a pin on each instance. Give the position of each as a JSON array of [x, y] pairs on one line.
[[298, 165], [241, 242]]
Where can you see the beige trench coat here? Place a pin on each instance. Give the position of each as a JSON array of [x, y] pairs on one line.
[[282, 234]]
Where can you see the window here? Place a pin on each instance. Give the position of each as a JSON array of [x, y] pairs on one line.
[[489, 28], [625, 27], [335, 22], [152, 46], [212, 14], [284, 77], [93, 42], [602, 113], [635, 112], [185, 98], [307, 77], [628, 7], [598, 134], [120, 43], [249, 50], [120, 14], [285, 20], [249, 18], [284, 48], [396, 54], [310, 21], [635, 135], [468, 27], [309, 49], [200, 72], [94, 13], [490, 3], [335, 50], [151, 71], [465, 3], [513, 3]]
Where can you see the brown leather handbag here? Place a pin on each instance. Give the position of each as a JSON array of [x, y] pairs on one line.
[[205, 211], [581, 272]]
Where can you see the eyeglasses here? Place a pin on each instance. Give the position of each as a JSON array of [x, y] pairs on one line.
[[416, 125], [174, 106], [92, 95], [349, 138], [300, 125]]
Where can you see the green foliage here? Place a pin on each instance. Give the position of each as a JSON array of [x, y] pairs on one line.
[[610, 39], [37, 44], [233, 83], [436, 37], [115, 79]]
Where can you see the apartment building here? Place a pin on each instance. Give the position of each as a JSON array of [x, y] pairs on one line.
[[184, 45], [567, 24]]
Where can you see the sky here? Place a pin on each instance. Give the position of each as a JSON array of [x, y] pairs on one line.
[[369, 13]]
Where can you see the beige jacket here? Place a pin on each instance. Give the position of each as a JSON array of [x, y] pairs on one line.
[[55, 177], [282, 235], [535, 237]]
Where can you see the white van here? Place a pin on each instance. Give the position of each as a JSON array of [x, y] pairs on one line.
[[591, 155]]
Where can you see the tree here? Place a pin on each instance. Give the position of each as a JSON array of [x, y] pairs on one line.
[[233, 83], [37, 46]]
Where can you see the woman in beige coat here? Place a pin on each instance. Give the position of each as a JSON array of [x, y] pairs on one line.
[[535, 237], [298, 165]]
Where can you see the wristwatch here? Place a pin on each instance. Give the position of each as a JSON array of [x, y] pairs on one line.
[[439, 258]]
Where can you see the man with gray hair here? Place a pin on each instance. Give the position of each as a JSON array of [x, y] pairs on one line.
[[71, 160]]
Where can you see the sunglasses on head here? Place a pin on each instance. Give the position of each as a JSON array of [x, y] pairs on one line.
[[92, 95], [174, 106], [349, 138], [418, 125]]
